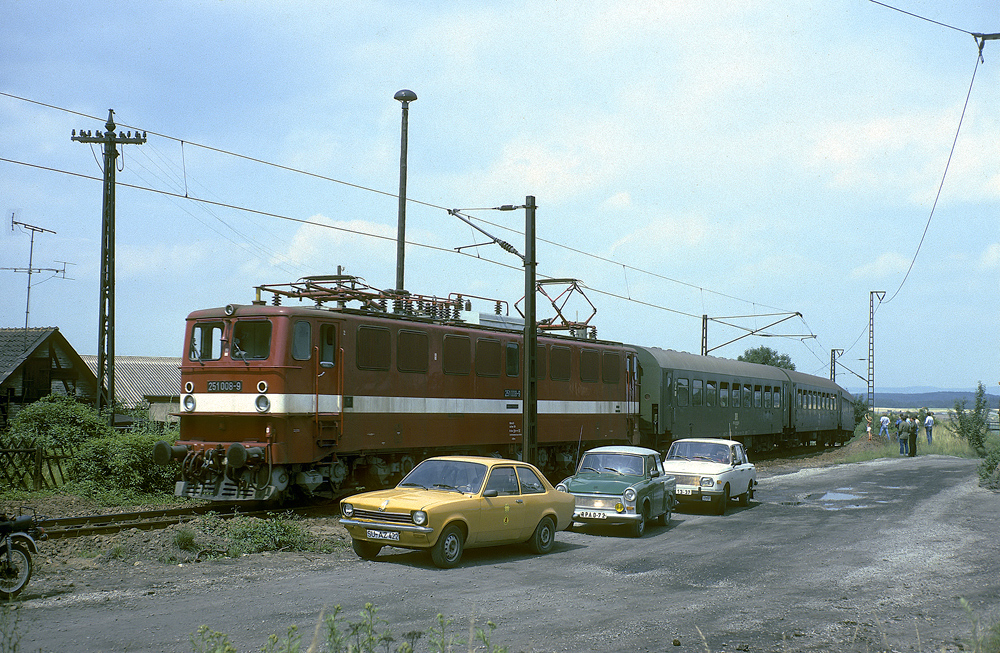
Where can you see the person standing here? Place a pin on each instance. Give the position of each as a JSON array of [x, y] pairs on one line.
[[929, 425], [884, 427], [904, 449], [911, 431]]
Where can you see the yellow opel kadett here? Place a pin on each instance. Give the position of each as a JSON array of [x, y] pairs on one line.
[[450, 503]]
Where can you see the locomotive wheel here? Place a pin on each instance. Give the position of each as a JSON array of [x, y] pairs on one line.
[[723, 501], [15, 571], [447, 551], [544, 537], [366, 550]]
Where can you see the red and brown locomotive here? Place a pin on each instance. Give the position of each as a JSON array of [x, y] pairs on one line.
[[358, 386]]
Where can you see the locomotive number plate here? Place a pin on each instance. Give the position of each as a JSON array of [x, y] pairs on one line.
[[225, 386], [591, 514], [382, 535]]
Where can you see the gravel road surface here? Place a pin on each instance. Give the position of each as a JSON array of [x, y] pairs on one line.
[[860, 557]]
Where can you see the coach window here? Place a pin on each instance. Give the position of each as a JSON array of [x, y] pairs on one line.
[[611, 369], [411, 351], [747, 396], [328, 343], [590, 365], [373, 348], [710, 394], [697, 396], [757, 397], [513, 359], [767, 396], [777, 397], [723, 395], [487, 357], [251, 340], [735, 395], [302, 341], [457, 355], [559, 363], [206, 342], [682, 392]]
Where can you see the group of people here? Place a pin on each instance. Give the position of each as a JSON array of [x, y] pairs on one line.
[[907, 429]]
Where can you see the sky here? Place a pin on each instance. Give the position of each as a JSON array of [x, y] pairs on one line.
[[748, 161]]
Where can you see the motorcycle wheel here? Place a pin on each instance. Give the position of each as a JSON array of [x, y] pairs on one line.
[[15, 571]]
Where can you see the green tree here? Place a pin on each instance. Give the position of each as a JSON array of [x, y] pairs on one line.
[[971, 425], [767, 356]]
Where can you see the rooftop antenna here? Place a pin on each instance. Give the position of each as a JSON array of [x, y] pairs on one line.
[[30, 269]]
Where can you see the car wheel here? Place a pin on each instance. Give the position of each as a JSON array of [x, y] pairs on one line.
[[744, 499], [544, 536], [448, 550], [665, 517], [366, 550], [723, 501], [639, 526]]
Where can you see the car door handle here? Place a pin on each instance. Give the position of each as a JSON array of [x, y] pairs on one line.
[[519, 501]]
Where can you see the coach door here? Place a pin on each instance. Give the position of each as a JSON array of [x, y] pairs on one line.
[[329, 370]]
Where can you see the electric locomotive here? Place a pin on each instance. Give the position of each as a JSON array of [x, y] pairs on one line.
[[356, 388]]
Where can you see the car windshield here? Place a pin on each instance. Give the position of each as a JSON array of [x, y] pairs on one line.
[[615, 463], [709, 451], [446, 475]]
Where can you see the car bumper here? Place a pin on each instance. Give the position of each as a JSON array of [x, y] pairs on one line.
[[611, 517], [695, 494], [407, 536]]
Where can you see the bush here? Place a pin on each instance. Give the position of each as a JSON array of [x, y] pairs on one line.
[[989, 469], [971, 425], [255, 535], [56, 421], [124, 461]]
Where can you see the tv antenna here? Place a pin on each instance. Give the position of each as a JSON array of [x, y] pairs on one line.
[[31, 256]]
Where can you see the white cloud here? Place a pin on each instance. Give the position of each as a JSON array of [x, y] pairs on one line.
[[885, 265], [990, 258]]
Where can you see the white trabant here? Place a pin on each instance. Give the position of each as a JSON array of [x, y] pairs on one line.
[[712, 471]]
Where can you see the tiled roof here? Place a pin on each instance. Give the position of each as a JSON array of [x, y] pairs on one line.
[[17, 344], [141, 376]]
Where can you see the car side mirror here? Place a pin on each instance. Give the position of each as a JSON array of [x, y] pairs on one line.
[[654, 473], [489, 494]]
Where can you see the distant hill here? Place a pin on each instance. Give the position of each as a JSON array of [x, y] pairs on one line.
[[940, 400]]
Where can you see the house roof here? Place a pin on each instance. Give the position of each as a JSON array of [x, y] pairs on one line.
[[17, 344], [137, 377]]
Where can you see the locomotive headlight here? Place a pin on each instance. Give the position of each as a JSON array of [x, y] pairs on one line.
[[419, 517], [707, 481], [189, 403], [347, 510], [629, 495], [262, 403]]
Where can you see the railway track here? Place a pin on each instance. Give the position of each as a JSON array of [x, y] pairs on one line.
[[66, 527]]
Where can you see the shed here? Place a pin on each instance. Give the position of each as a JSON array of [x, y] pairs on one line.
[[152, 379]]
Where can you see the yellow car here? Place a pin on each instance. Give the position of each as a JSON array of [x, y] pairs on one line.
[[450, 503]]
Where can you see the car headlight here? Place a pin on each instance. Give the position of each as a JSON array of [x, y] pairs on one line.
[[419, 517], [347, 510], [707, 481], [629, 495], [562, 487]]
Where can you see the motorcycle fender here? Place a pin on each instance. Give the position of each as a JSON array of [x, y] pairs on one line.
[[24, 539]]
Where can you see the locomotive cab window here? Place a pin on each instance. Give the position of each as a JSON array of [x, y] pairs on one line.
[[513, 359], [206, 342], [328, 343], [302, 341], [251, 340]]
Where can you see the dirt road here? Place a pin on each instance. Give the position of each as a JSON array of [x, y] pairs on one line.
[[859, 557]]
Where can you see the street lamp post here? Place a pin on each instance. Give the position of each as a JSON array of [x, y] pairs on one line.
[[405, 96]]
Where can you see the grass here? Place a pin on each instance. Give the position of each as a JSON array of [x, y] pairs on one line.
[[945, 442]]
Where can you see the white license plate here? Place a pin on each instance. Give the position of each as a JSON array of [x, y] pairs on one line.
[[684, 490], [591, 514], [382, 535]]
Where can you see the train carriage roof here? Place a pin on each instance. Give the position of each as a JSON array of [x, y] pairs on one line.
[[816, 382], [681, 360]]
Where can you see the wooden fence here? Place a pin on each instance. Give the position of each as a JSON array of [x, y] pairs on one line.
[[27, 467]]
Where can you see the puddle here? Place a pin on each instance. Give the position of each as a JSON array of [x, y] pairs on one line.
[[838, 496]]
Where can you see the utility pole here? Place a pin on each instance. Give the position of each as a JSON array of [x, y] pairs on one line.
[[405, 96], [106, 327], [529, 407], [31, 269], [871, 346], [834, 355]]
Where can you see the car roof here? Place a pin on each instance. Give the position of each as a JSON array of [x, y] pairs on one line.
[[639, 451], [709, 441], [484, 460]]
